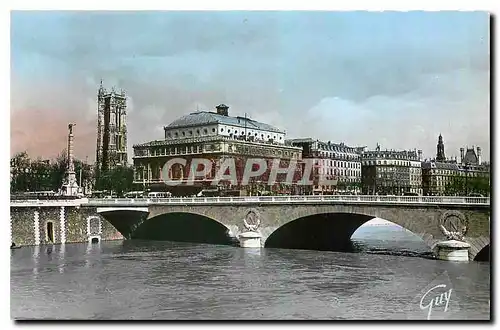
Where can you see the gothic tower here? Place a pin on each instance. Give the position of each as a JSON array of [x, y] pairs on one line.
[[440, 157], [111, 129]]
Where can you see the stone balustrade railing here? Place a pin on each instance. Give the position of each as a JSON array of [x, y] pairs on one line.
[[368, 199], [301, 199], [44, 202]]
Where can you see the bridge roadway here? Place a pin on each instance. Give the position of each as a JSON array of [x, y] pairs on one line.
[[321, 222]]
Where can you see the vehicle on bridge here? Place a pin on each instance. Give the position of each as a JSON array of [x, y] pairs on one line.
[[135, 194], [159, 194]]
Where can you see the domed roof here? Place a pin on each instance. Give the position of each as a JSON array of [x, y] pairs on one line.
[[206, 118]]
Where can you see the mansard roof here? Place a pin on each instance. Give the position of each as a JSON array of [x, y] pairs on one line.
[[470, 157], [440, 165]]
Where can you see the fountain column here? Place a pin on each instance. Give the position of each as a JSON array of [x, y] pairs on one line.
[[70, 186]]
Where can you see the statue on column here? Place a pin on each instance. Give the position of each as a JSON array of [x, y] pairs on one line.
[[70, 185]]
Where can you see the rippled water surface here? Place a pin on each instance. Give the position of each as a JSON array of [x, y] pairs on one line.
[[167, 280]]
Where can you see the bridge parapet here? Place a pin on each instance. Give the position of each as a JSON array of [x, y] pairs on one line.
[[48, 203], [300, 199], [355, 199]]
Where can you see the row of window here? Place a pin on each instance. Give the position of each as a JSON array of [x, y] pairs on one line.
[[453, 174], [385, 162], [325, 187], [331, 171], [390, 155], [334, 163], [194, 149], [189, 133], [334, 147], [235, 132], [204, 131], [337, 156]]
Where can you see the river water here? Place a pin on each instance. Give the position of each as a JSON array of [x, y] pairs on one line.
[[386, 279]]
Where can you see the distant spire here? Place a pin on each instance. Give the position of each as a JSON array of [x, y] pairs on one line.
[[101, 89], [440, 155]]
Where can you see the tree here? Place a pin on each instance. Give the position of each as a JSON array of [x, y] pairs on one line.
[[462, 186], [19, 167], [119, 180], [85, 171], [40, 175], [59, 167], [28, 175], [479, 185]]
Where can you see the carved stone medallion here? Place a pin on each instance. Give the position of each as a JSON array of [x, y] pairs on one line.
[[453, 225], [252, 220]]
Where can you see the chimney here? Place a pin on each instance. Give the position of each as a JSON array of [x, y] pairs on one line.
[[419, 154], [222, 110], [461, 155], [165, 130], [479, 155]]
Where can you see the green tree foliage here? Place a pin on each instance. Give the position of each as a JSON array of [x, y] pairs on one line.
[[463, 186], [118, 180], [39, 175], [59, 167], [20, 167]]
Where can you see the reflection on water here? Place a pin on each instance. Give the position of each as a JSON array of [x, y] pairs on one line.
[[62, 250], [36, 255], [168, 280]]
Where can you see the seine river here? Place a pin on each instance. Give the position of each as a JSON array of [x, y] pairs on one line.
[[386, 279]]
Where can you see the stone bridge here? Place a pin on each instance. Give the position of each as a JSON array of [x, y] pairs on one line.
[[303, 222]]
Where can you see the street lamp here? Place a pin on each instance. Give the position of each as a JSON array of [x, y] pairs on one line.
[[466, 178]]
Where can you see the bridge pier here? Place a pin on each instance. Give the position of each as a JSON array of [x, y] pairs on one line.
[[250, 239], [452, 250]]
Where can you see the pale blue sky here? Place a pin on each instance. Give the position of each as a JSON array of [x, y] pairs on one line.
[[358, 77]]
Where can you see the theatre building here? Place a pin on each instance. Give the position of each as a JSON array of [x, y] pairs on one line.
[[218, 138]]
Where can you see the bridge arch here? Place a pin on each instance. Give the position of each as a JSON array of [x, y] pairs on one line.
[[483, 255], [185, 226], [479, 248], [331, 230], [125, 220]]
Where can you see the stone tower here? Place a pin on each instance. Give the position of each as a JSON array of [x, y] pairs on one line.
[[440, 157], [111, 147], [70, 186]]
